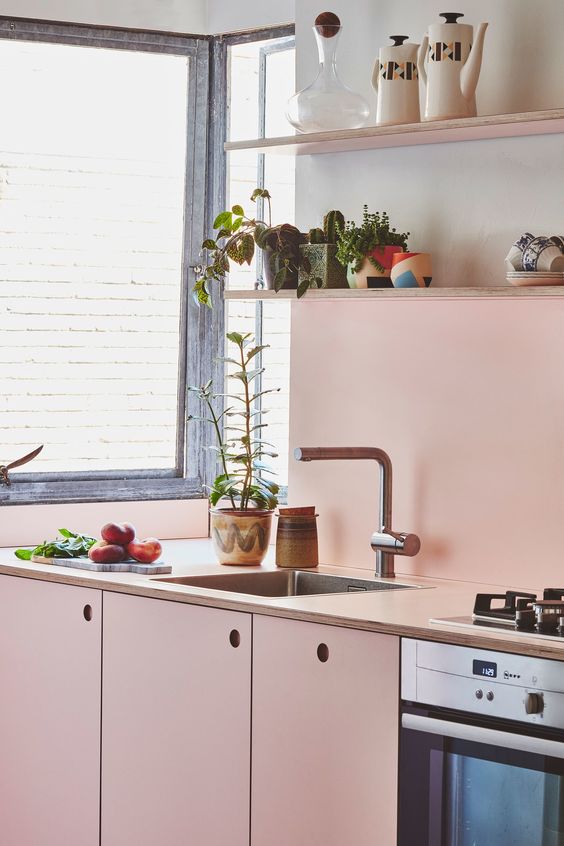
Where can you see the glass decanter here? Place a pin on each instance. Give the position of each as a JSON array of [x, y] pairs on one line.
[[327, 103]]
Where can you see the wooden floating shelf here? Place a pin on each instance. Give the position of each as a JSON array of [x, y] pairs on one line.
[[409, 135], [334, 294]]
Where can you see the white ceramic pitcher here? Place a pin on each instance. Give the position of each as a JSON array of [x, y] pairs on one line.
[[396, 79], [454, 59]]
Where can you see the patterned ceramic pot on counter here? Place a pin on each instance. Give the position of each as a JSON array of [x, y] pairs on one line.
[[369, 276], [240, 538]]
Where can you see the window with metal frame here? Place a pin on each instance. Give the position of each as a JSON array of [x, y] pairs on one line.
[[261, 78], [105, 185]]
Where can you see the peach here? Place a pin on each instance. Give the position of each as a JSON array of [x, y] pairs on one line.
[[145, 551], [120, 533], [106, 553]]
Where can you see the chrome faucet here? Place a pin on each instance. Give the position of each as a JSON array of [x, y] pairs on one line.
[[385, 542]]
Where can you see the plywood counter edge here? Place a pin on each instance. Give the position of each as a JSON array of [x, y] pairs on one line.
[[196, 596]]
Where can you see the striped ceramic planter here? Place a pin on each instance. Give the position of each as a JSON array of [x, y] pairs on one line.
[[240, 538], [369, 276]]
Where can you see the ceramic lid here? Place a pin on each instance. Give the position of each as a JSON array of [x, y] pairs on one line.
[[451, 17]]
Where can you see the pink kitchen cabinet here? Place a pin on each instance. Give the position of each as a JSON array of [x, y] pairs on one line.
[[325, 735], [50, 677], [175, 725]]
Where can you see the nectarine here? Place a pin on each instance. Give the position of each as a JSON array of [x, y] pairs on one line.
[[145, 551], [106, 553], [120, 533]]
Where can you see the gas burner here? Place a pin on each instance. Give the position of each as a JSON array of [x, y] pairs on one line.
[[548, 613], [515, 601], [524, 611]]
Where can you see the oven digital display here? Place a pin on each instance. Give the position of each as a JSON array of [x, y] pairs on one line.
[[485, 668]]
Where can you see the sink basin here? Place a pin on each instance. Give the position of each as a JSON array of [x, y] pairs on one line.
[[284, 583]]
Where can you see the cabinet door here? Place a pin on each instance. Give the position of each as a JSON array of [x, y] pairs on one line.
[[50, 676], [176, 724], [325, 735]]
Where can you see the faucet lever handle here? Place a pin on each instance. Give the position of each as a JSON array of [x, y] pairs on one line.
[[396, 543]]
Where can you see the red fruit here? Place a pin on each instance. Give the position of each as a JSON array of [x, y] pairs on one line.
[[145, 551], [120, 533], [106, 553]]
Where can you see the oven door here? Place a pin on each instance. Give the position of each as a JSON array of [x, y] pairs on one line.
[[465, 782]]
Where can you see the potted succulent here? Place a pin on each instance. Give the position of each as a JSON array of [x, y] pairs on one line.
[[367, 250], [244, 495], [321, 252], [236, 239]]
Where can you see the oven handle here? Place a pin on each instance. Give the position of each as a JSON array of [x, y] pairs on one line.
[[476, 734]]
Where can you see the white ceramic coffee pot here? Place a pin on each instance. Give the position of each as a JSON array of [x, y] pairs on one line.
[[454, 58], [396, 79]]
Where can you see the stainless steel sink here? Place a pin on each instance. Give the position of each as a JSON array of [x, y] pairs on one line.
[[284, 583]]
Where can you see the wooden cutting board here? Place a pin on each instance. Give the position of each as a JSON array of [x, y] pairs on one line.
[[129, 566]]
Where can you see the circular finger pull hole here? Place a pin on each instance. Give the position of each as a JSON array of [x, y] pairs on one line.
[[87, 612], [323, 652], [234, 638]]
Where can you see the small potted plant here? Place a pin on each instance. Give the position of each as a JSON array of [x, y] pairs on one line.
[[367, 250], [236, 239], [244, 495], [321, 252]]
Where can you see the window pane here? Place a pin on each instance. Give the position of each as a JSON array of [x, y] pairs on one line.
[[251, 117], [92, 173]]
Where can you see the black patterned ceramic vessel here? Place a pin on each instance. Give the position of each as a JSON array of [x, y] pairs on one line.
[[240, 538]]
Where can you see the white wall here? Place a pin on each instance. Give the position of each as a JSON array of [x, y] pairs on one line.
[[461, 393], [248, 14], [171, 15], [189, 16], [465, 203]]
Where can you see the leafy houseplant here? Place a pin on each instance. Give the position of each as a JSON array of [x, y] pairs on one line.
[[321, 251], [236, 239], [241, 528], [369, 245]]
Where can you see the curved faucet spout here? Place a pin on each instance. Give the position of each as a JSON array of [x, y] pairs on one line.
[[384, 540]]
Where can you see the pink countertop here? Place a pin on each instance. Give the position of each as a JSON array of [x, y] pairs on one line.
[[401, 612]]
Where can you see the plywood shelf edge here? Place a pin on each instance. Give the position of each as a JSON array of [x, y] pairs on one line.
[[337, 294], [435, 132]]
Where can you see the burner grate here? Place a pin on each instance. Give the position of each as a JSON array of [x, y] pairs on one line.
[[513, 600]]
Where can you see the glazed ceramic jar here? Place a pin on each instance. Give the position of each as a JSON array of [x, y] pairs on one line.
[[396, 79], [450, 60]]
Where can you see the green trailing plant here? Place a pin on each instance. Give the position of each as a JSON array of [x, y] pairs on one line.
[[236, 239], [355, 243], [245, 478]]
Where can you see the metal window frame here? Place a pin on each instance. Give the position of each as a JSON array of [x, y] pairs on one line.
[[284, 38], [201, 330]]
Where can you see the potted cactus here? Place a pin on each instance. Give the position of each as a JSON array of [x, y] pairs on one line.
[[320, 254]]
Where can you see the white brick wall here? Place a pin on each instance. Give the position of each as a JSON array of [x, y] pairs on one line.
[[90, 255]]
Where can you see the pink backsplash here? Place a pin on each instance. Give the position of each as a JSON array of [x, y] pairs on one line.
[[467, 397]]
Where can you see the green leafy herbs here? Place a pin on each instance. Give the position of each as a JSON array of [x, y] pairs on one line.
[[236, 239], [355, 243], [69, 545], [246, 478]]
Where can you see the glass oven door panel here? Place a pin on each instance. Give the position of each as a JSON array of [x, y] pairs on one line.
[[456, 792], [486, 802]]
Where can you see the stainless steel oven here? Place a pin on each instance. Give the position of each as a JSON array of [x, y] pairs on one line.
[[481, 748]]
